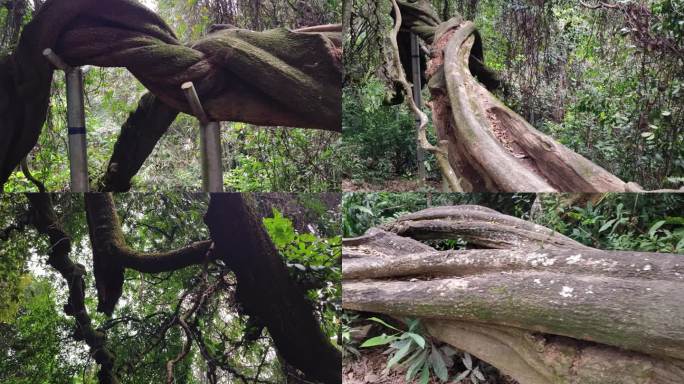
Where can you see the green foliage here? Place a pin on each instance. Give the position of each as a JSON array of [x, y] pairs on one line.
[[281, 159], [416, 353], [639, 222], [379, 142], [313, 262], [649, 223], [36, 337], [349, 346], [32, 350], [607, 83]]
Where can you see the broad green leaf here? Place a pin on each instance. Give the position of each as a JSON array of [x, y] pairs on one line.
[[411, 359], [383, 323], [415, 366], [438, 365], [400, 354], [607, 225], [365, 210], [655, 227], [425, 374], [378, 340], [416, 337], [680, 245]]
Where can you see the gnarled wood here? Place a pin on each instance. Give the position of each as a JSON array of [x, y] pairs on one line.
[[540, 306], [490, 147], [275, 77]]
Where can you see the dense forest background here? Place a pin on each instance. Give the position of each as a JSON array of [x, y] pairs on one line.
[[255, 158], [606, 81], [37, 339]]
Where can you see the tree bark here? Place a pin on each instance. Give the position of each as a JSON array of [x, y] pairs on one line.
[[111, 254], [540, 307], [46, 222], [275, 77], [139, 135], [490, 147], [265, 289]]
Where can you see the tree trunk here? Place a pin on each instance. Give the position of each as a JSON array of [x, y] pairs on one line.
[[540, 306], [266, 291], [490, 147]]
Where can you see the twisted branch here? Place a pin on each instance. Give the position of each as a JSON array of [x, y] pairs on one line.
[[275, 77], [440, 153]]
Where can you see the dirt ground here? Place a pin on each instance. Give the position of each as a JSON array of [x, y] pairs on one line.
[[369, 369], [397, 185]]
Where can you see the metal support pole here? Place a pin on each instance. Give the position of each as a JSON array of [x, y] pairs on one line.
[[78, 153], [417, 86], [210, 142]]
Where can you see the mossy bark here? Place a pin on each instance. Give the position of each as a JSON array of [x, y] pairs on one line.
[[111, 254], [276, 77]]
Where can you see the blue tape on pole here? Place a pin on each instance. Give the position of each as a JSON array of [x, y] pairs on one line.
[[77, 130]]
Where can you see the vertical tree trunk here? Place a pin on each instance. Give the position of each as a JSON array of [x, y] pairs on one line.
[[266, 290]]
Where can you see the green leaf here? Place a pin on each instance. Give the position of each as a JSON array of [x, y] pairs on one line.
[[416, 337], [378, 340], [680, 245], [425, 375], [607, 225], [365, 210], [400, 354], [383, 323], [438, 365], [415, 366], [655, 227]]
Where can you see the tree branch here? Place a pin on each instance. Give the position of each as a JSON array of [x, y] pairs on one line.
[[266, 291], [46, 222], [111, 254]]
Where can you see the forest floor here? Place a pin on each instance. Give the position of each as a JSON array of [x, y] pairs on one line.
[[369, 368], [396, 185]]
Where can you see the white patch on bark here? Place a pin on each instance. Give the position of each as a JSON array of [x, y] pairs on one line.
[[541, 258], [566, 291], [573, 259]]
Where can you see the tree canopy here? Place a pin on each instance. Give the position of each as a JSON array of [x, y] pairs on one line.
[[141, 283]]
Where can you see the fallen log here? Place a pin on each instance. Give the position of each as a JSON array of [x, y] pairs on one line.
[[535, 304]]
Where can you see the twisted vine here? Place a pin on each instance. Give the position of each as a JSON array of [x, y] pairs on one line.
[[274, 77]]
